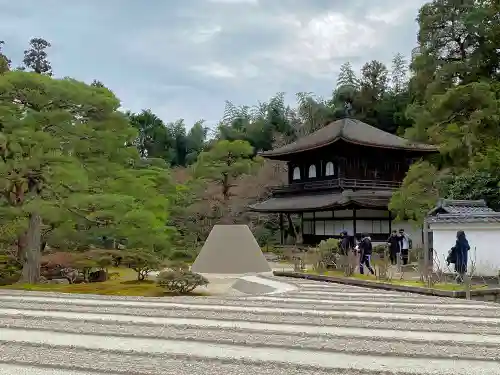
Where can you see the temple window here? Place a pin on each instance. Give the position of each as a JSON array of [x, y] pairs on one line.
[[312, 171], [329, 171], [296, 173]]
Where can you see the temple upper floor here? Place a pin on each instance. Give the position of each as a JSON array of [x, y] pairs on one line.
[[348, 154]]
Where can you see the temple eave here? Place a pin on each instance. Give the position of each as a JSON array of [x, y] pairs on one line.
[[318, 202]]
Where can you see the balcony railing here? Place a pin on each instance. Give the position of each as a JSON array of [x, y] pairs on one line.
[[339, 183]]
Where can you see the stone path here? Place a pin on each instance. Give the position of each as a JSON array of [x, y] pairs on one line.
[[316, 329]]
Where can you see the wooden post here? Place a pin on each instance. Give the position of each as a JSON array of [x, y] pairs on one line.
[[427, 271], [282, 234], [354, 222], [390, 222], [292, 228]]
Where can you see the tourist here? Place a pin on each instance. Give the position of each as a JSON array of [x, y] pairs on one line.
[[405, 244], [365, 253], [394, 247], [345, 243], [460, 255]]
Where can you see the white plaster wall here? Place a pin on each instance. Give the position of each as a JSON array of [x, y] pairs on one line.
[[484, 240]]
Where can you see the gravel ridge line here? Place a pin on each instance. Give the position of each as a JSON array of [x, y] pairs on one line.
[[380, 346], [346, 321], [317, 308]]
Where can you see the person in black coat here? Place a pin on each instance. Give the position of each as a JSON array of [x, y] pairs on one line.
[[394, 247], [459, 255], [365, 252], [346, 243]]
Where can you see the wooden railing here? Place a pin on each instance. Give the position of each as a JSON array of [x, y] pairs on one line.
[[339, 183]]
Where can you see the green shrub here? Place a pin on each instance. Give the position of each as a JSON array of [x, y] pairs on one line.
[[10, 270], [142, 262], [330, 245], [184, 256], [325, 255], [380, 250], [103, 258], [180, 281], [272, 249]]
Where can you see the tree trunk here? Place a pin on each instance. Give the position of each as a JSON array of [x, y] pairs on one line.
[[21, 247], [32, 255], [225, 211]]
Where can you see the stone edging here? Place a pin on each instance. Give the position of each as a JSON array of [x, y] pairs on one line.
[[478, 293]]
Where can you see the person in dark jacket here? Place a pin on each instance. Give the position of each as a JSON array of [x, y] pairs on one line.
[[460, 255], [365, 253], [394, 247], [345, 243]]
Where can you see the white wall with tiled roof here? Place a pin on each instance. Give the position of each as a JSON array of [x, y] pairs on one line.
[[484, 240]]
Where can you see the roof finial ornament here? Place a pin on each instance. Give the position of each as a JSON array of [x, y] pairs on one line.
[[347, 108]]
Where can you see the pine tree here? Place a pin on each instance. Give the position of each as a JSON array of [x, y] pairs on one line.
[[4, 60], [35, 58], [346, 77], [399, 72], [69, 171]]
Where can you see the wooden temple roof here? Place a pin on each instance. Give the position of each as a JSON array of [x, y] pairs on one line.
[[352, 131], [316, 202]]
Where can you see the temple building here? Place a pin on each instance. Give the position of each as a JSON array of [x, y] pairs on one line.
[[342, 177]]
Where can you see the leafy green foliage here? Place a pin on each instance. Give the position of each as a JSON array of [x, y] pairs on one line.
[[476, 185], [347, 76], [330, 245], [10, 269], [418, 194], [104, 259], [142, 262], [181, 282], [35, 57], [66, 157], [225, 162], [380, 250], [169, 142], [456, 106], [4, 60]]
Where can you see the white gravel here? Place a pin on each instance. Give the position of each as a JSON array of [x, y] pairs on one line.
[[380, 342], [300, 357], [317, 329]]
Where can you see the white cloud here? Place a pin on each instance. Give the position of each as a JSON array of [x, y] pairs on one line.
[[253, 2], [219, 70], [215, 69], [320, 45], [205, 34], [396, 14]]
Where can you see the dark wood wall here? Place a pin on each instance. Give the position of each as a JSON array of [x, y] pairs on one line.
[[353, 162]]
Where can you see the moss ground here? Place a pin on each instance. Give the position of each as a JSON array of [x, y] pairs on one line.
[[414, 283], [126, 284]]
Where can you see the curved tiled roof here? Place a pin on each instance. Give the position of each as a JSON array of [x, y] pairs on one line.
[[463, 211], [492, 217], [352, 131], [309, 202]]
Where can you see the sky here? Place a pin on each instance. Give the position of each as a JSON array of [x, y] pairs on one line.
[[185, 58]]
